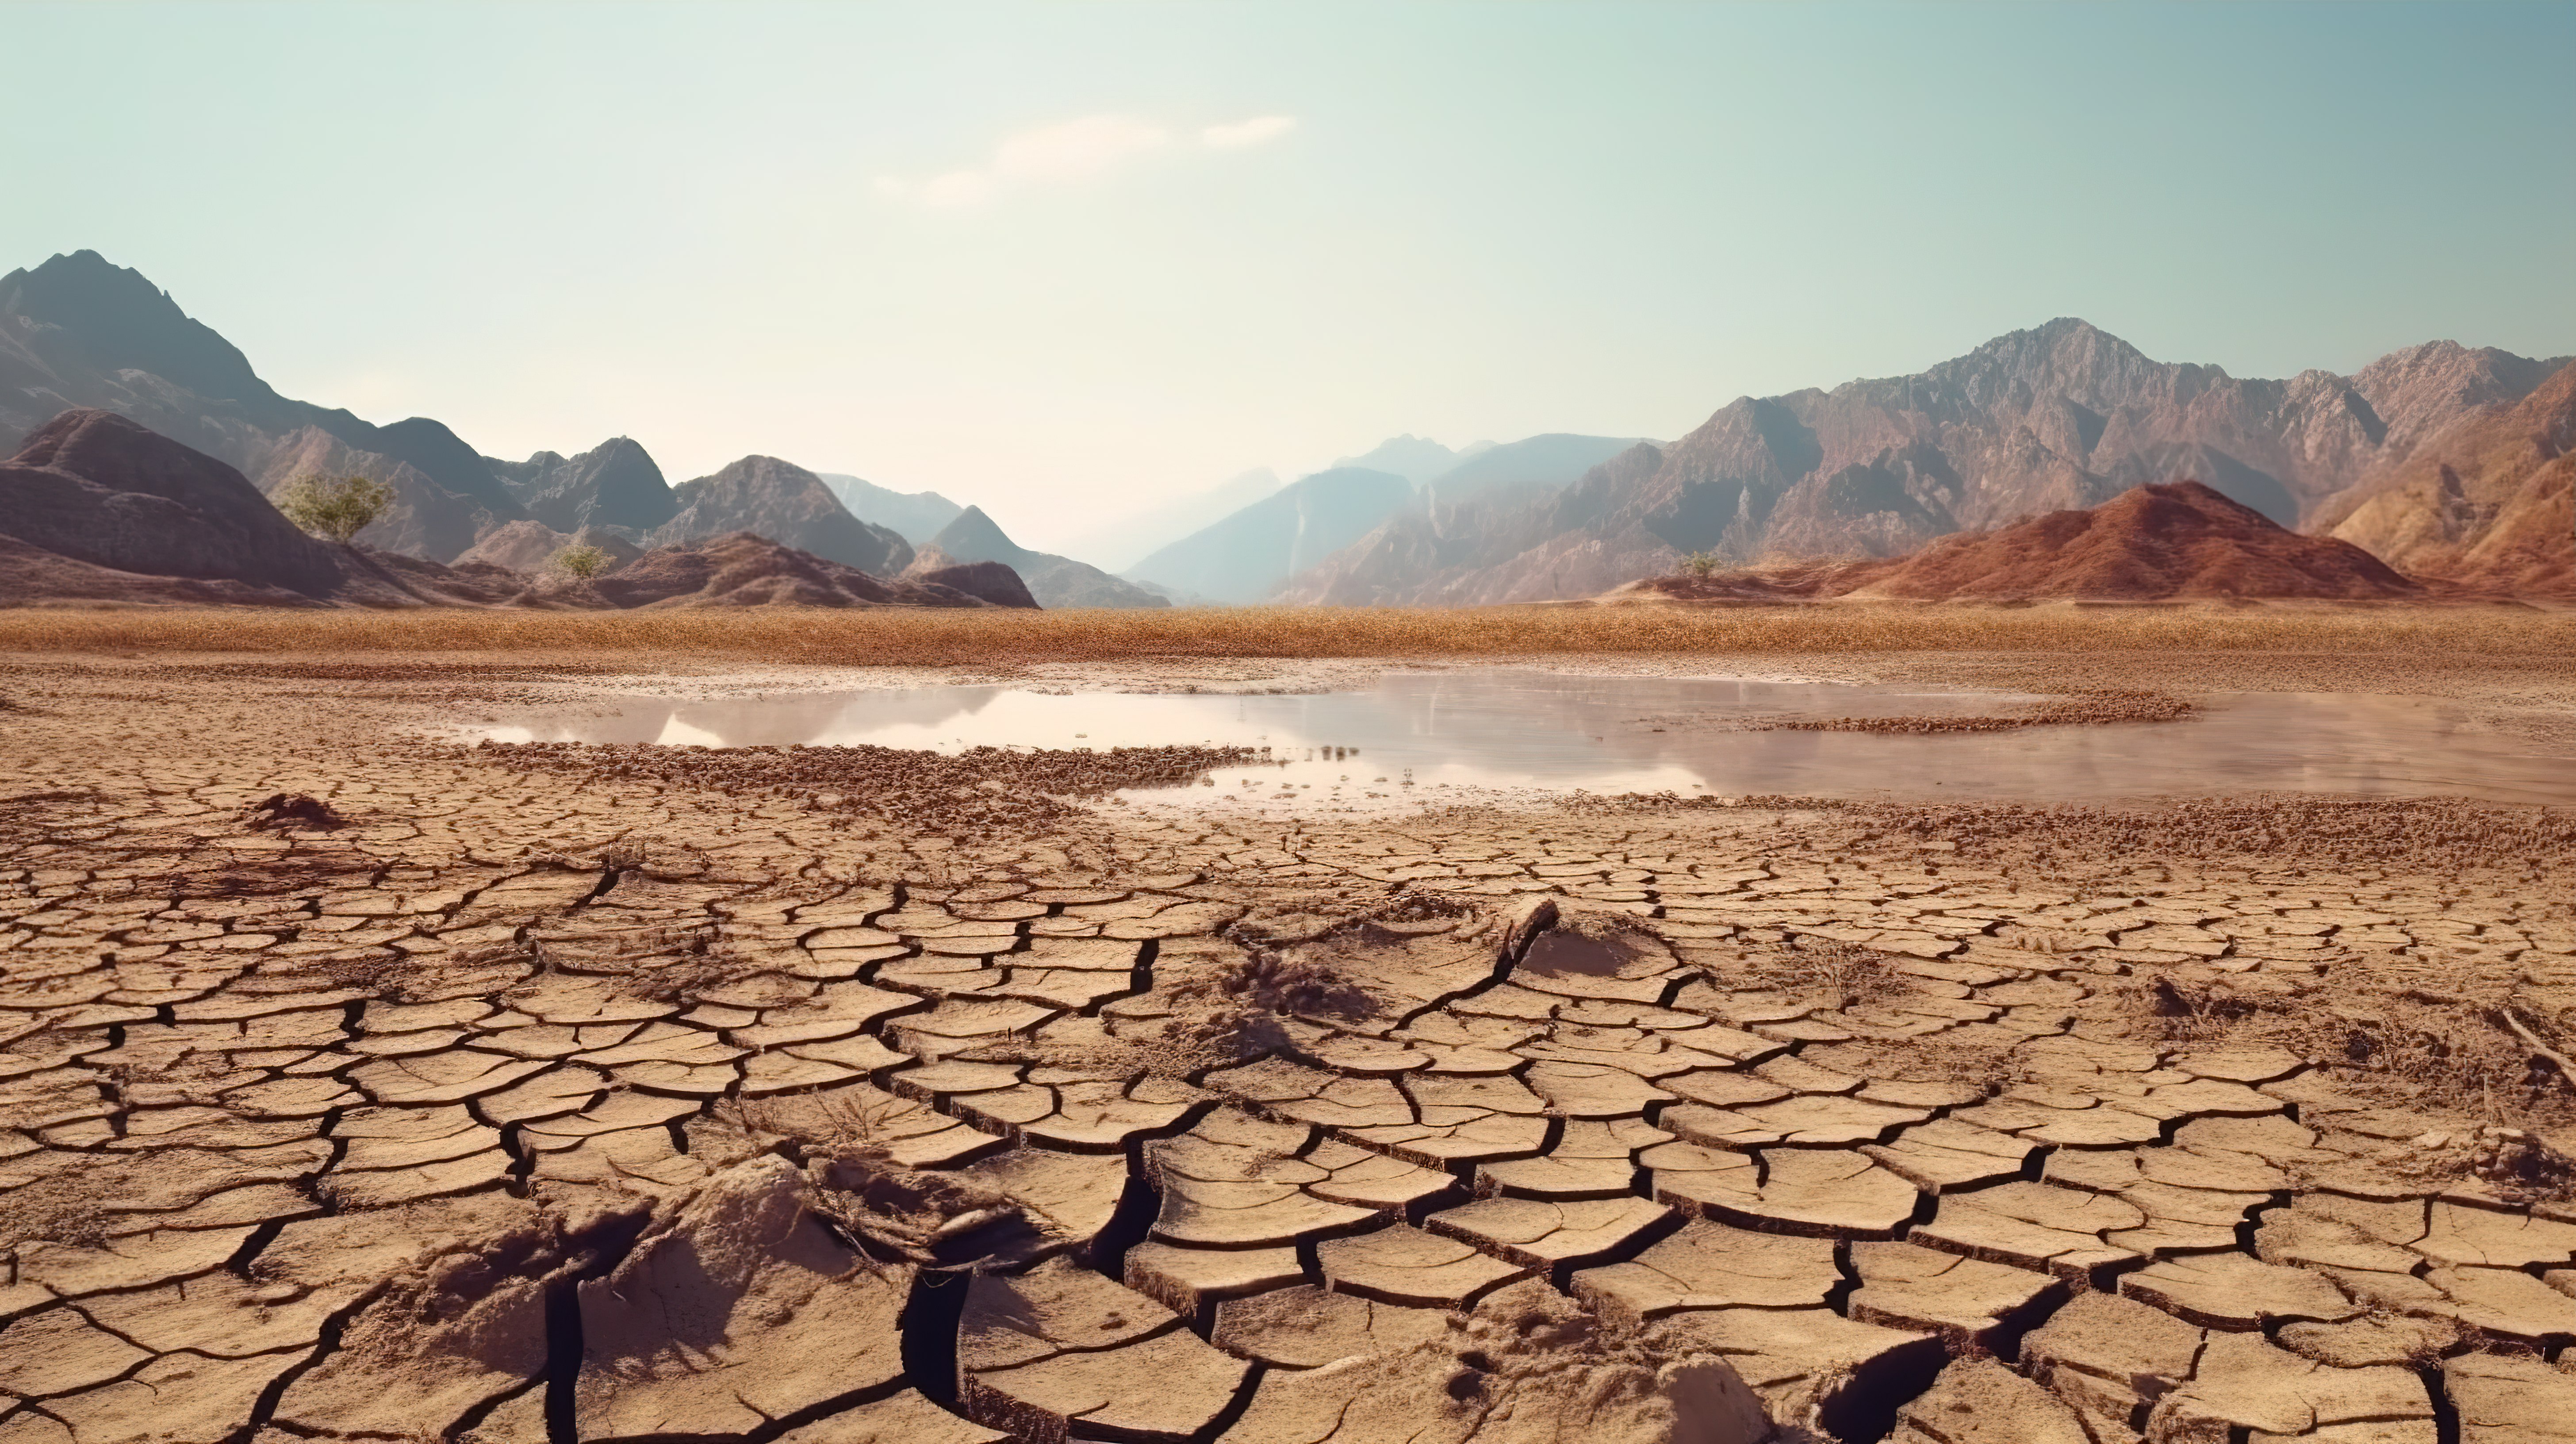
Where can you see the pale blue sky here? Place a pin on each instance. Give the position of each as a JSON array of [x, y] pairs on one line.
[[1065, 259]]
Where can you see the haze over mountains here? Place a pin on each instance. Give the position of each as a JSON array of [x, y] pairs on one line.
[[1249, 556], [917, 516], [2445, 460]]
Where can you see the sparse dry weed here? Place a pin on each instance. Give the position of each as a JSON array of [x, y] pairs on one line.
[[1854, 976]]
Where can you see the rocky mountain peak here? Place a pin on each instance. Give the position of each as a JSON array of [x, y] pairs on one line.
[[971, 536], [116, 320], [786, 503]]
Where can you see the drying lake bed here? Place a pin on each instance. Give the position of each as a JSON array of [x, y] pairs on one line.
[[584, 1044]]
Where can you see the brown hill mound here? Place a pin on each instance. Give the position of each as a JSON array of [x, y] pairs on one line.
[[743, 570], [97, 488], [101, 509], [2151, 543], [2159, 542], [995, 582]]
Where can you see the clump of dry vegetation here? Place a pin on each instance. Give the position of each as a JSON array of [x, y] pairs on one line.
[[1246, 1004], [1850, 975], [940, 637], [2383, 1034]]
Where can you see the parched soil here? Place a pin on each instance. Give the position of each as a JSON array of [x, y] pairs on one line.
[[361, 1085]]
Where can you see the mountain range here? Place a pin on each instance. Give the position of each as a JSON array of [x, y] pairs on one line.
[[98, 508], [2448, 461], [80, 332], [2061, 417]]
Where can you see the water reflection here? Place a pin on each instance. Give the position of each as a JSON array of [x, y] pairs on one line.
[[1420, 732]]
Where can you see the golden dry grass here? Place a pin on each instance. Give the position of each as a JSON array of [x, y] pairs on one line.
[[907, 637]]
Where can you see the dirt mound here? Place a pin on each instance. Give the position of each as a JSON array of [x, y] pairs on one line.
[[741, 569], [995, 582]]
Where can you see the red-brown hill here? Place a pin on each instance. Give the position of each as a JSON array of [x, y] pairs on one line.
[[2159, 542]]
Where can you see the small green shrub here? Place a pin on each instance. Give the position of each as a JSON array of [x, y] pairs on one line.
[[581, 560], [1700, 564], [334, 508]]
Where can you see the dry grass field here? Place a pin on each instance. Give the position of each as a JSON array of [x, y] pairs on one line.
[[902, 637]]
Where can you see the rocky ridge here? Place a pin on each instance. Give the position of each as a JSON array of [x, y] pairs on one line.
[[2487, 502]]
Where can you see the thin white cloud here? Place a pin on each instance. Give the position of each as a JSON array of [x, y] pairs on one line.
[[1247, 132], [1066, 154], [1077, 149]]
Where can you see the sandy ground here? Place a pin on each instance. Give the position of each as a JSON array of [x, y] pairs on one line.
[[539, 1095]]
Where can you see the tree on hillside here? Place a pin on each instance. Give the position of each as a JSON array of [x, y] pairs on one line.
[[334, 508], [581, 560], [1700, 564]]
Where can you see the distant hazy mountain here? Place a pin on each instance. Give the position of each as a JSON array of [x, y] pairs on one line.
[[2064, 416], [1120, 539], [1416, 459], [1057, 582], [787, 504], [916, 515], [1551, 462], [1245, 557]]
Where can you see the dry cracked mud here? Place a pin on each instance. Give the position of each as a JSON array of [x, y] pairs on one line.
[[354, 1084]]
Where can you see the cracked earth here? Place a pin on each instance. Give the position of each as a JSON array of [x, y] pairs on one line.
[[535, 1095]]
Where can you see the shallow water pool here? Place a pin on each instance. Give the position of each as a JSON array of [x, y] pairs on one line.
[[1415, 736]]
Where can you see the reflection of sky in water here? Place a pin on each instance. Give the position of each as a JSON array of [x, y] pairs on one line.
[[1503, 728]]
